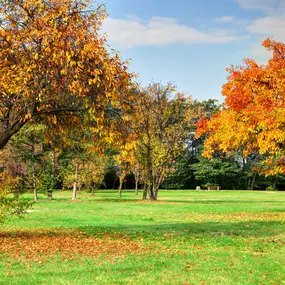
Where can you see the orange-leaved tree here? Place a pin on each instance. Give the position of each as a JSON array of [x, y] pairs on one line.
[[54, 63], [253, 118]]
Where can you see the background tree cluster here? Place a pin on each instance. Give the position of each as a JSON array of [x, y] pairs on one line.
[[72, 116]]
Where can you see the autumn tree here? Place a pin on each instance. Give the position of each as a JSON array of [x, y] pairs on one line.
[[136, 170], [11, 186], [164, 121], [27, 148], [185, 176], [253, 118], [125, 159], [84, 169], [54, 64]]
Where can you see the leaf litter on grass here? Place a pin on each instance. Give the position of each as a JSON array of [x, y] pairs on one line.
[[40, 244]]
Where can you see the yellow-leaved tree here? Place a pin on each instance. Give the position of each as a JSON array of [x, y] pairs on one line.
[[55, 64], [55, 67], [163, 122]]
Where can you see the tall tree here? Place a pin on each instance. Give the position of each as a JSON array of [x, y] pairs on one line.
[[164, 121], [184, 177], [11, 186], [125, 159], [253, 118], [55, 64], [27, 147]]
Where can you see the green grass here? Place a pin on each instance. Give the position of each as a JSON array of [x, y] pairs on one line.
[[187, 237]]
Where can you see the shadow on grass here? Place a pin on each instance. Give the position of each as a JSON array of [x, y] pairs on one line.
[[205, 229], [242, 229], [226, 201], [158, 202]]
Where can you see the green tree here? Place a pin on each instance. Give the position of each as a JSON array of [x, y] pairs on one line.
[[11, 187], [27, 147], [164, 121]]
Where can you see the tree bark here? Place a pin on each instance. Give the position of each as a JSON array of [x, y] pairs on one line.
[[136, 189], [246, 180], [253, 181], [137, 178], [159, 180], [52, 174], [8, 132], [144, 192], [34, 183], [75, 181], [151, 193], [150, 174], [34, 171], [120, 188], [156, 193], [122, 177]]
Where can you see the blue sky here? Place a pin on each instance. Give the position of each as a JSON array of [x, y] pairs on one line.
[[190, 43]]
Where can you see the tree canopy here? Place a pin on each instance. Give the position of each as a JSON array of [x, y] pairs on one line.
[[253, 118], [55, 63]]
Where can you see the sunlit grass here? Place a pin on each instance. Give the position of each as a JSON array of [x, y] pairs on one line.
[[187, 237]]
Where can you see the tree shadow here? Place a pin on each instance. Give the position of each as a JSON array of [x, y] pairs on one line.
[[116, 200], [146, 231], [209, 229], [226, 201]]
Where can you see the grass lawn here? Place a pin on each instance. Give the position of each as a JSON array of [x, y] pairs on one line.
[[187, 237]]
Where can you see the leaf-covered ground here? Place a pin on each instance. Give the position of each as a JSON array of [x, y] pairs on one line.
[[188, 237]]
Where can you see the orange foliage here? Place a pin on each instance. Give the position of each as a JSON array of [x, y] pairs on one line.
[[54, 63], [39, 245], [253, 119]]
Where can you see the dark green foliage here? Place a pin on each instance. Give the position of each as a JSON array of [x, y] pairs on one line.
[[11, 203], [217, 172]]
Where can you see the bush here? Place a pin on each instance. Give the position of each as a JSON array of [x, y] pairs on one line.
[[271, 188], [10, 198]]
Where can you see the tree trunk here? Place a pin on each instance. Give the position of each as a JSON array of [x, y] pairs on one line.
[[137, 178], [9, 131], [136, 189], [151, 193], [122, 177], [120, 188], [144, 192], [248, 184], [52, 175], [34, 182], [245, 173], [156, 185], [274, 182], [253, 181], [34, 171], [150, 175], [75, 181], [156, 193]]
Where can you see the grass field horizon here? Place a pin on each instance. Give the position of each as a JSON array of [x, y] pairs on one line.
[[186, 237]]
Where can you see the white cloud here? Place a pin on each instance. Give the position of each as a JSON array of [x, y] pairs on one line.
[[260, 54], [269, 27], [268, 6], [224, 19], [160, 31]]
